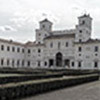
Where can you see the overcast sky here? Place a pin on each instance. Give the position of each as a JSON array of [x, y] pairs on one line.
[[19, 18]]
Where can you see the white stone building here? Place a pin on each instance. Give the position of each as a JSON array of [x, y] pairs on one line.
[[74, 49]]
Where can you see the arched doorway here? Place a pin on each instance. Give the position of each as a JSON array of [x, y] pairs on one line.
[[59, 59]]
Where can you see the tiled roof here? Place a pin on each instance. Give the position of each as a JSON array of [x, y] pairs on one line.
[[90, 41], [11, 42], [45, 20], [31, 44], [85, 15], [61, 36]]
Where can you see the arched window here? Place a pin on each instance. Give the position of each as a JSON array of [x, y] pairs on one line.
[[83, 22], [43, 26]]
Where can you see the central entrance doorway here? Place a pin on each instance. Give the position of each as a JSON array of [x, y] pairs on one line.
[[59, 59]]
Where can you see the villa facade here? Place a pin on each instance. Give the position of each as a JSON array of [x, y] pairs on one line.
[[73, 49]]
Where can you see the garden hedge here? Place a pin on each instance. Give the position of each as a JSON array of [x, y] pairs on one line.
[[30, 88]]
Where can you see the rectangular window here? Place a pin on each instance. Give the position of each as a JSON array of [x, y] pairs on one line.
[[8, 48], [79, 64], [28, 63], [13, 62], [2, 62], [96, 64], [96, 49], [67, 62], [80, 49], [45, 63], [80, 31], [66, 44], [59, 45], [18, 49], [29, 51], [80, 40], [23, 62], [8, 62], [17, 62], [51, 62], [51, 45], [13, 49], [2, 47], [39, 50], [43, 26], [23, 50], [39, 42], [72, 64], [38, 63]]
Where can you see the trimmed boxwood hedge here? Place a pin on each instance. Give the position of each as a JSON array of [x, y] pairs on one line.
[[21, 71], [26, 77], [44, 71], [4, 80], [34, 74], [24, 89]]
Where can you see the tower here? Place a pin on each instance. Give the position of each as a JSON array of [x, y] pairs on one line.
[[45, 28], [46, 25], [84, 28]]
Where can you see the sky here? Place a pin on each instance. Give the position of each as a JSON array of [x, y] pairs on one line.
[[20, 18]]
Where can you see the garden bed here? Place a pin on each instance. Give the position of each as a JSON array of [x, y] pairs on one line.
[[13, 78], [19, 90]]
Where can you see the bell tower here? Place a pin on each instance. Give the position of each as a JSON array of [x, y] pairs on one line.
[[46, 25], [84, 28], [45, 28]]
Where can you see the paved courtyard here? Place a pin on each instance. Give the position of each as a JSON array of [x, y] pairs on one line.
[[89, 91]]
